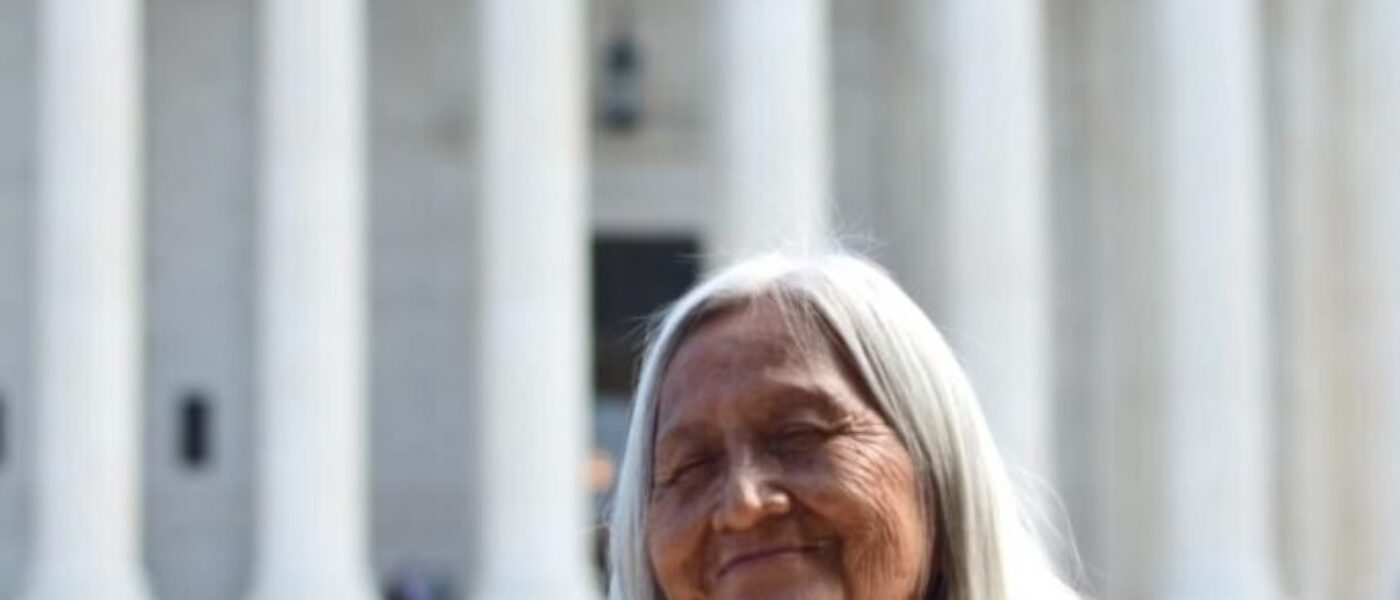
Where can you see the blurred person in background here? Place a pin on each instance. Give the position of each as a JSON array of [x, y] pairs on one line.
[[801, 430]]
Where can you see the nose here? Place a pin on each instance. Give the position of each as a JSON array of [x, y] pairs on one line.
[[751, 494]]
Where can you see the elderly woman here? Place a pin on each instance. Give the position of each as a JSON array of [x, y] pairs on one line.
[[801, 431]]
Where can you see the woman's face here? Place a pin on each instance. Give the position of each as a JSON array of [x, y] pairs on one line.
[[773, 477]]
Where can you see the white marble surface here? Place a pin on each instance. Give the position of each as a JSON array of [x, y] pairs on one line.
[[984, 215], [771, 137], [532, 427], [312, 305], [87, 529]]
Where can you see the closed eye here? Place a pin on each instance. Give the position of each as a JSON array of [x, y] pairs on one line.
[[800, 437], [687, 469]]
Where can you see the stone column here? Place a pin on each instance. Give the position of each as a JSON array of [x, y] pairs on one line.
[[1207, 159], [772, 146], [1313, 294], [88, 277], [311, 512], [1075, 273], [1185, 396], [532, 433], [982, 215], [1372, 123]]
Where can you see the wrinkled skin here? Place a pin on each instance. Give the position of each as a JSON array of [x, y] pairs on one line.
[[774, 477]]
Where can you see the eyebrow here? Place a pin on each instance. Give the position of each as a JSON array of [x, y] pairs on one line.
[[786, 397], [679, 435]]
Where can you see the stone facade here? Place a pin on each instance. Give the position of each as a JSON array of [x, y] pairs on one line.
[[1128, 138]]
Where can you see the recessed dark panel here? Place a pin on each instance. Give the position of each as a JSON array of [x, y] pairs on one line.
[[4, 429], [621, 102], [633, 279], [196, 418]]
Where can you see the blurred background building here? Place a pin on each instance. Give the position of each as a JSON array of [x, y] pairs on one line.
[[299, 299]]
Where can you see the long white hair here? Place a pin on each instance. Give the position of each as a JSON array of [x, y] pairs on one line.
[[985, 549]]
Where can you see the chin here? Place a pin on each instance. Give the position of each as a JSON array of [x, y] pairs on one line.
[[792, 590], [779, 580]]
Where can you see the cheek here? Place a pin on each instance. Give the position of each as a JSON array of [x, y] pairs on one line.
[[675, 544], [866, 490]]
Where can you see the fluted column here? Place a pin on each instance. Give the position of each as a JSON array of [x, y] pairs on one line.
[[532, 427], [1186, 392], [982, 229], [772, 145], [1372, 133], [85, 503], [1207, 158], [311, 509], [1311, 298]]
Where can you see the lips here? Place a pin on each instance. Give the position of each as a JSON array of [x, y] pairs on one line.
[[745, 558]]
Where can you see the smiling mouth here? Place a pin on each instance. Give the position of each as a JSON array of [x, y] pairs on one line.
[[761, 555]]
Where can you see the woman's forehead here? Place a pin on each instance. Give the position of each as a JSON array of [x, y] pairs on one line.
[[754, 360], [748, 340]]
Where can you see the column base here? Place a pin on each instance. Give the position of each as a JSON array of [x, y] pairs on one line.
[[1219, 593], [305, 588], [534, 588], [73, 585], [303, 592], [1222, 586]]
